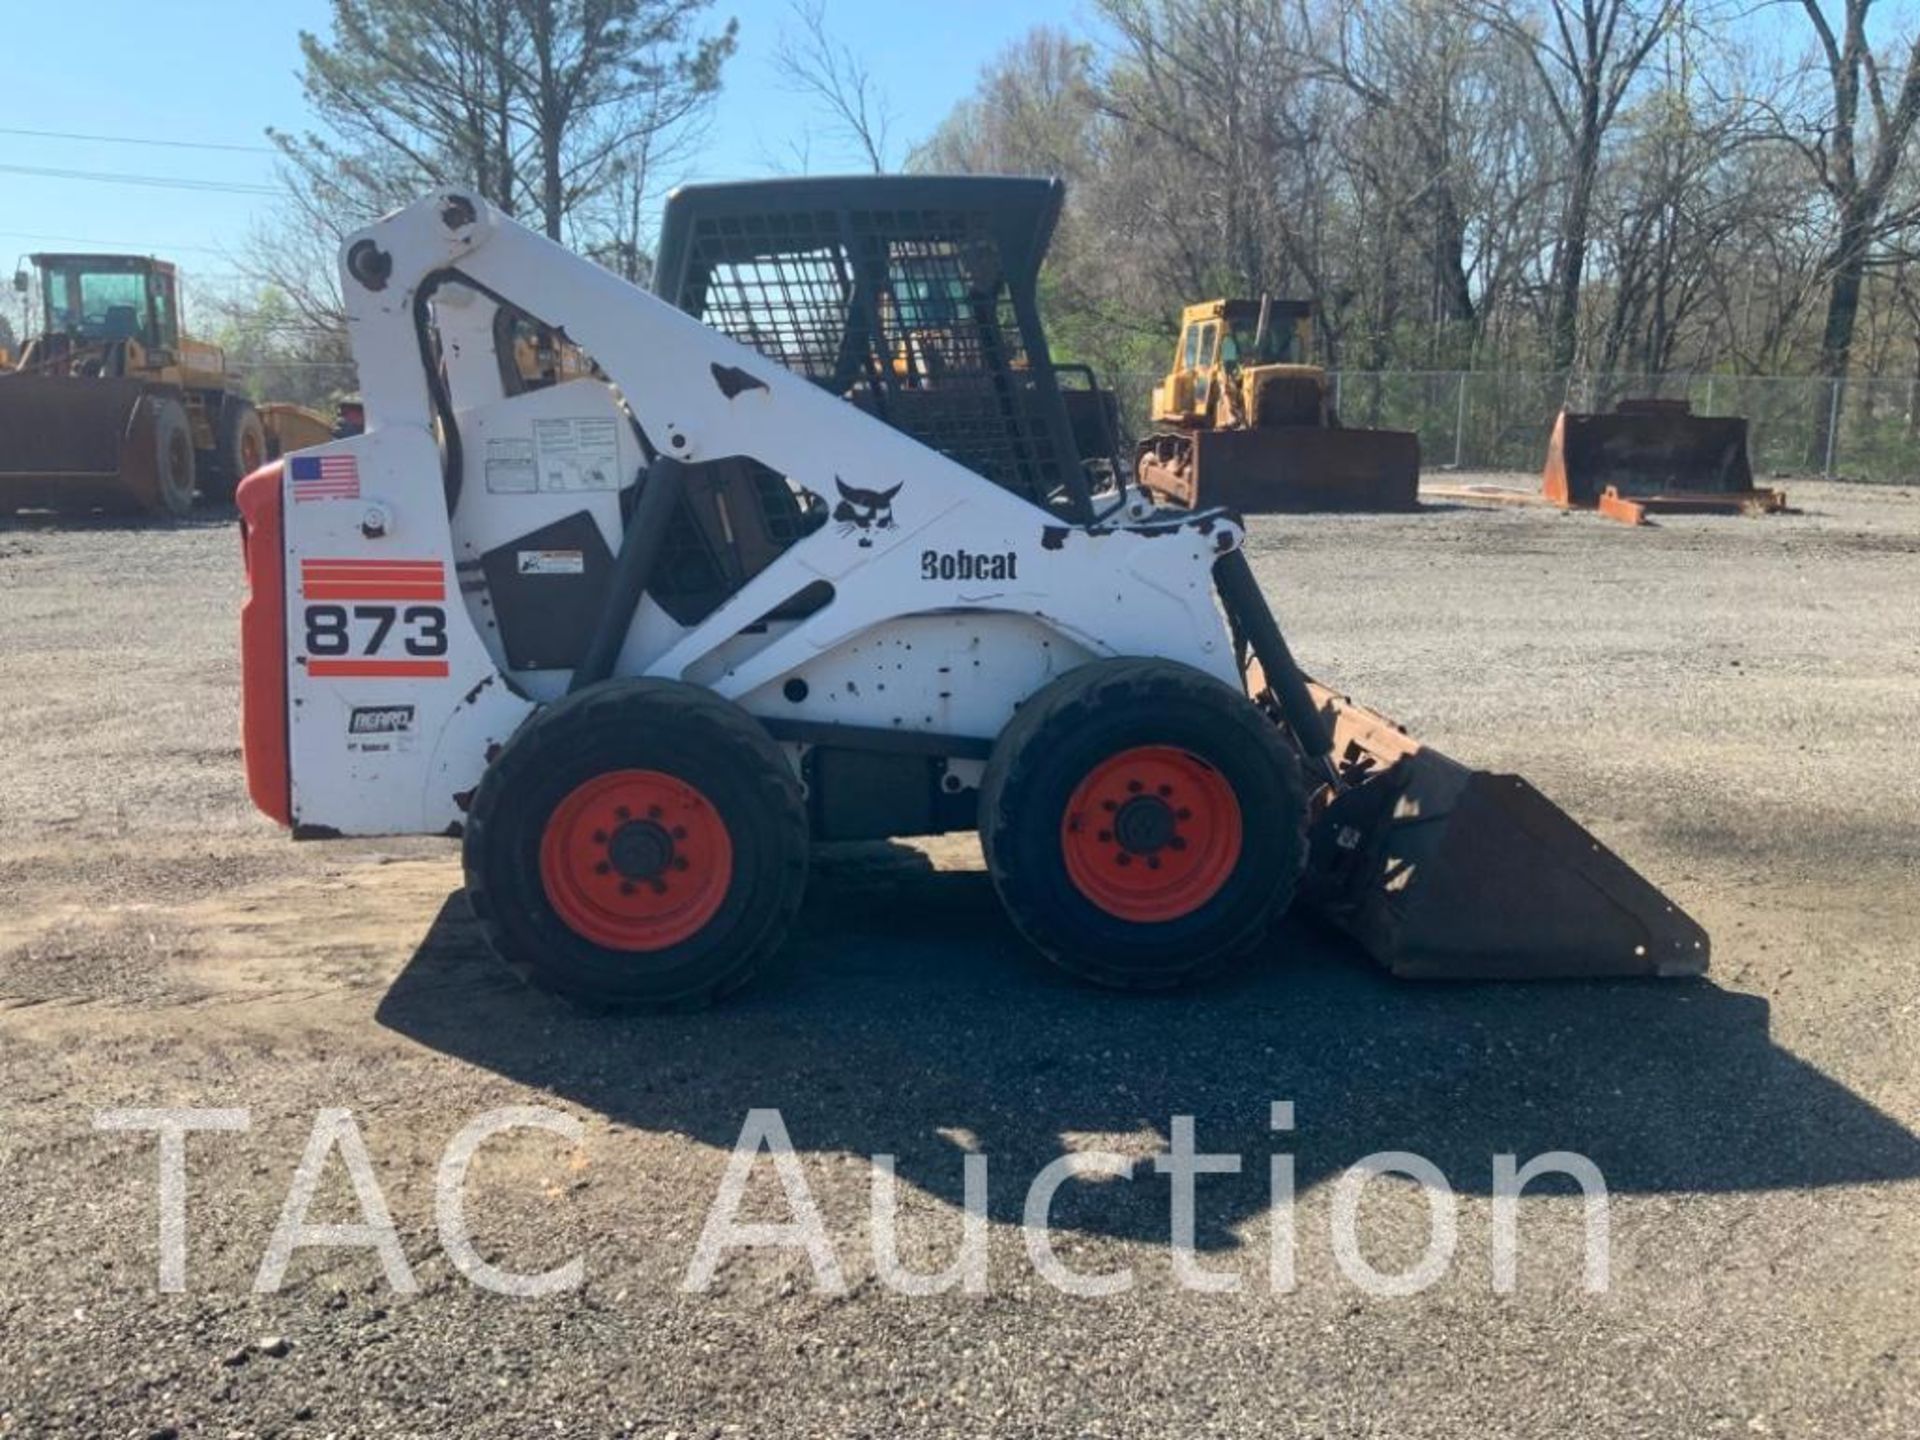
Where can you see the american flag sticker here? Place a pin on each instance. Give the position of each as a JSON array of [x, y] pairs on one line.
[[325, 477]]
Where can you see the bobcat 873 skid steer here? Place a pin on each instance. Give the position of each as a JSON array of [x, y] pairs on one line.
[[641, 637]]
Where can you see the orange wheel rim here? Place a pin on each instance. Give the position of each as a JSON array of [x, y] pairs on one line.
[[636, 860], [1151, 834]]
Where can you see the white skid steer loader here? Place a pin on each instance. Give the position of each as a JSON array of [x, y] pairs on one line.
[[641, 637]]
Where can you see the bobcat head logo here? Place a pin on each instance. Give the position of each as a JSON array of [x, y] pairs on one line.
[[863, 510]]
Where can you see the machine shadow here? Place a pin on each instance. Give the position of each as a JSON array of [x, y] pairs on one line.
[[908, 1019]]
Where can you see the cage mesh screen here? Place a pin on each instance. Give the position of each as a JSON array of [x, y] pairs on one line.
[[906, 313]]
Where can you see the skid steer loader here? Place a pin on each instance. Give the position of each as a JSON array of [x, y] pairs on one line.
[[1242, 420], [111, 407], [639, 637]]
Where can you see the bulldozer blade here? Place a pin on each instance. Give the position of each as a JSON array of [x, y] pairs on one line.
[[1444, 872], [1289, 468], [77, 444], [1645, 448]]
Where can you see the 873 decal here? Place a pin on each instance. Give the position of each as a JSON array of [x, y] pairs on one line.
[[373, 618]]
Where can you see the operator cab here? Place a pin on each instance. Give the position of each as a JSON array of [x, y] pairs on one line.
[[102, 299], [1286, 340]]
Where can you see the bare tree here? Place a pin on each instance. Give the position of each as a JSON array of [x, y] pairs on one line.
[[540, 105], [1854, 145], [1586, 55], [827, 72], [599, 79], [1521, 183]]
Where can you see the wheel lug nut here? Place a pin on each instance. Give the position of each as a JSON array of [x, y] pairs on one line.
[[626, 887], [659, 886], [1153, 862], [599, 837], [603, 868], [1108, 805], [679, 862], [654, 812], [679, 832], [623, 812], [1123, 858], [1134, 787], [1183, 813], [1175, 842], [1165, 791], [1106, 836]]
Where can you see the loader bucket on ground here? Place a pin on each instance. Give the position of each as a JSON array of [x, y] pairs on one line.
[[1645, 448], [1288, 468], [75, 444], [1440, 871]]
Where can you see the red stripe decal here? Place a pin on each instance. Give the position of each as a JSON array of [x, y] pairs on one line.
[[369, 564], [374, 669], [373, 580], [371, 590]]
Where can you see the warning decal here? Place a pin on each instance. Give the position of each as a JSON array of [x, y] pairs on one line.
[[578, 454]]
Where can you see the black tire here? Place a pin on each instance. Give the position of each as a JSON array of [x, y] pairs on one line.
[[1071, 732], [664, 727], [173, 459], [240, 449]]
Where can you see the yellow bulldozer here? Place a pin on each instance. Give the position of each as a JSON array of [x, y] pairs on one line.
[[111, 407], [1244, 419]]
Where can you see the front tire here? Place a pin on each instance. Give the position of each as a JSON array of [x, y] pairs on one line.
[[1143, 823], [641, 843], [173, 460]]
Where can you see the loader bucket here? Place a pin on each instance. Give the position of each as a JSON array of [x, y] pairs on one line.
[[75, 444], [1441, 871], [1287, 468], [1645, 448]]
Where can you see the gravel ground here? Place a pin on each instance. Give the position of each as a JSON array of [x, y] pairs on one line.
[[1729, 703]]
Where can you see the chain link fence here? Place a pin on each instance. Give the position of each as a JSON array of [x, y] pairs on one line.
[[1483, 420]]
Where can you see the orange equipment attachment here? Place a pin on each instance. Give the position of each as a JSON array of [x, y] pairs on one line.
[[1653, 457]]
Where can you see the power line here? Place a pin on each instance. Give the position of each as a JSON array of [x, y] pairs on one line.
[[141, 140], [158, 182], [145, 246]]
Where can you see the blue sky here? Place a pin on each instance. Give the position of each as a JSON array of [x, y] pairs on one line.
[[220, 71]]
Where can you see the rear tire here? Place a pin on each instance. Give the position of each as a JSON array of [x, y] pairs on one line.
[[641, 843], [173, 459], [242, 449], [1143, 823]]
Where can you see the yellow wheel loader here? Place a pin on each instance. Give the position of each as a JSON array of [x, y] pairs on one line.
[[1243, 420], [111, 407]]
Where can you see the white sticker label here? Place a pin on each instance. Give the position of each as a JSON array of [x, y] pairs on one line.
[[578, 454], [380, 729], [510, 468], [551, 562]]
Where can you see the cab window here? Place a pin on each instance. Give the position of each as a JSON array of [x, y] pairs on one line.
[[1189, 357], [166, 319], [1278, 347], [96, 303], [1209, 337]]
